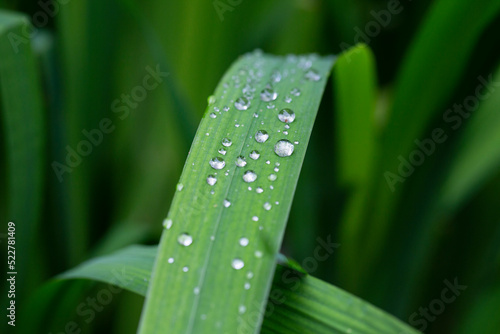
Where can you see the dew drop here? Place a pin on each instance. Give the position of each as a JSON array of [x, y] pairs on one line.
[[213, 115], [217, 163], [286, 115], [272, 177], [242, 103], [283, 148], [211, 180], [268, 94], [227, 142], [250, 275], [226, 203], [185, 269], [247, 286], [254, 155], [211, 99], [237, 264], [240, 161], [258, 254], [255, 218], [295, 92], [180, 186], [276, 76], [267, 206], [167, 223], [261, 136], [276, 169], [288, 99], [243, 242], [249, 176], [171, 260], [196, 291], [259, 190], [312, 75], [185, 239], [242, 309]]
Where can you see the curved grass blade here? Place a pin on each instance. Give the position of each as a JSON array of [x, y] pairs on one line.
[[218, 235], [299, 303], [24, 133]]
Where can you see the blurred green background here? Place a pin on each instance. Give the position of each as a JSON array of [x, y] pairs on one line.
[[397, 248]]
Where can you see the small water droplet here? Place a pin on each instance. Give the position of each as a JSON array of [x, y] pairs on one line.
[[276, 76], [268, 94], [227, 142], [258, 254], [270, 106], [272, 177], [247, 286], [283, 148], [259, 190], [243, 242], [287, 126], [249, 176], [242, 103], [268, 162], [211, 180], [226, 203], [185, 239], [296, 142], [267, 206], [288, 99], [226, 108], [254, 155], [167, 223], [276, 169], [203, 317], [286, 115], [295, 92], [242, 309], [255, 218], [240, 161], [185, 269], [211, 99], [196, 290], [213, 115], [217, 163], [261, 136], [180, 186], [222, 151], [171, 260], [237, 264], [312, 75], [250, 275]]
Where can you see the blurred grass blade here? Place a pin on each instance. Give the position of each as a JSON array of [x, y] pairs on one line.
[[354, 80], [24, 135], [298, 304], [478, 157], [204, 260]]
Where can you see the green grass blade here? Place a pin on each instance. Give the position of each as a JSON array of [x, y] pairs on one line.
[[201, 210], [299, 303], [24, 135]]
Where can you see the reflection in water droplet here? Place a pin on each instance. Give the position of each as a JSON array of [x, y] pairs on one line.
[[185, 239], [243, 242], [226, 203], [240, 161], [167, 223], [254, 155], [312, 75], [261, 136], [242, 103], [259, 190], [286, 115], [267, 206], [227, 142], [249, 176], [217, 163], [272, 177], [268, 94], [211, 180], [237, 264], [283, 148]]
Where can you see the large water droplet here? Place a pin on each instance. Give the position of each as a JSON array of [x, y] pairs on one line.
[[237, 264], [167, 223], [312, 75], [284, 148], [227, 142], [240, 161], [185, 239], [254, 155], [261, 136], [244, 242], [217, 163], [286, 115], [242, 103], [249, 176], [211, 180], [268, 94]]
